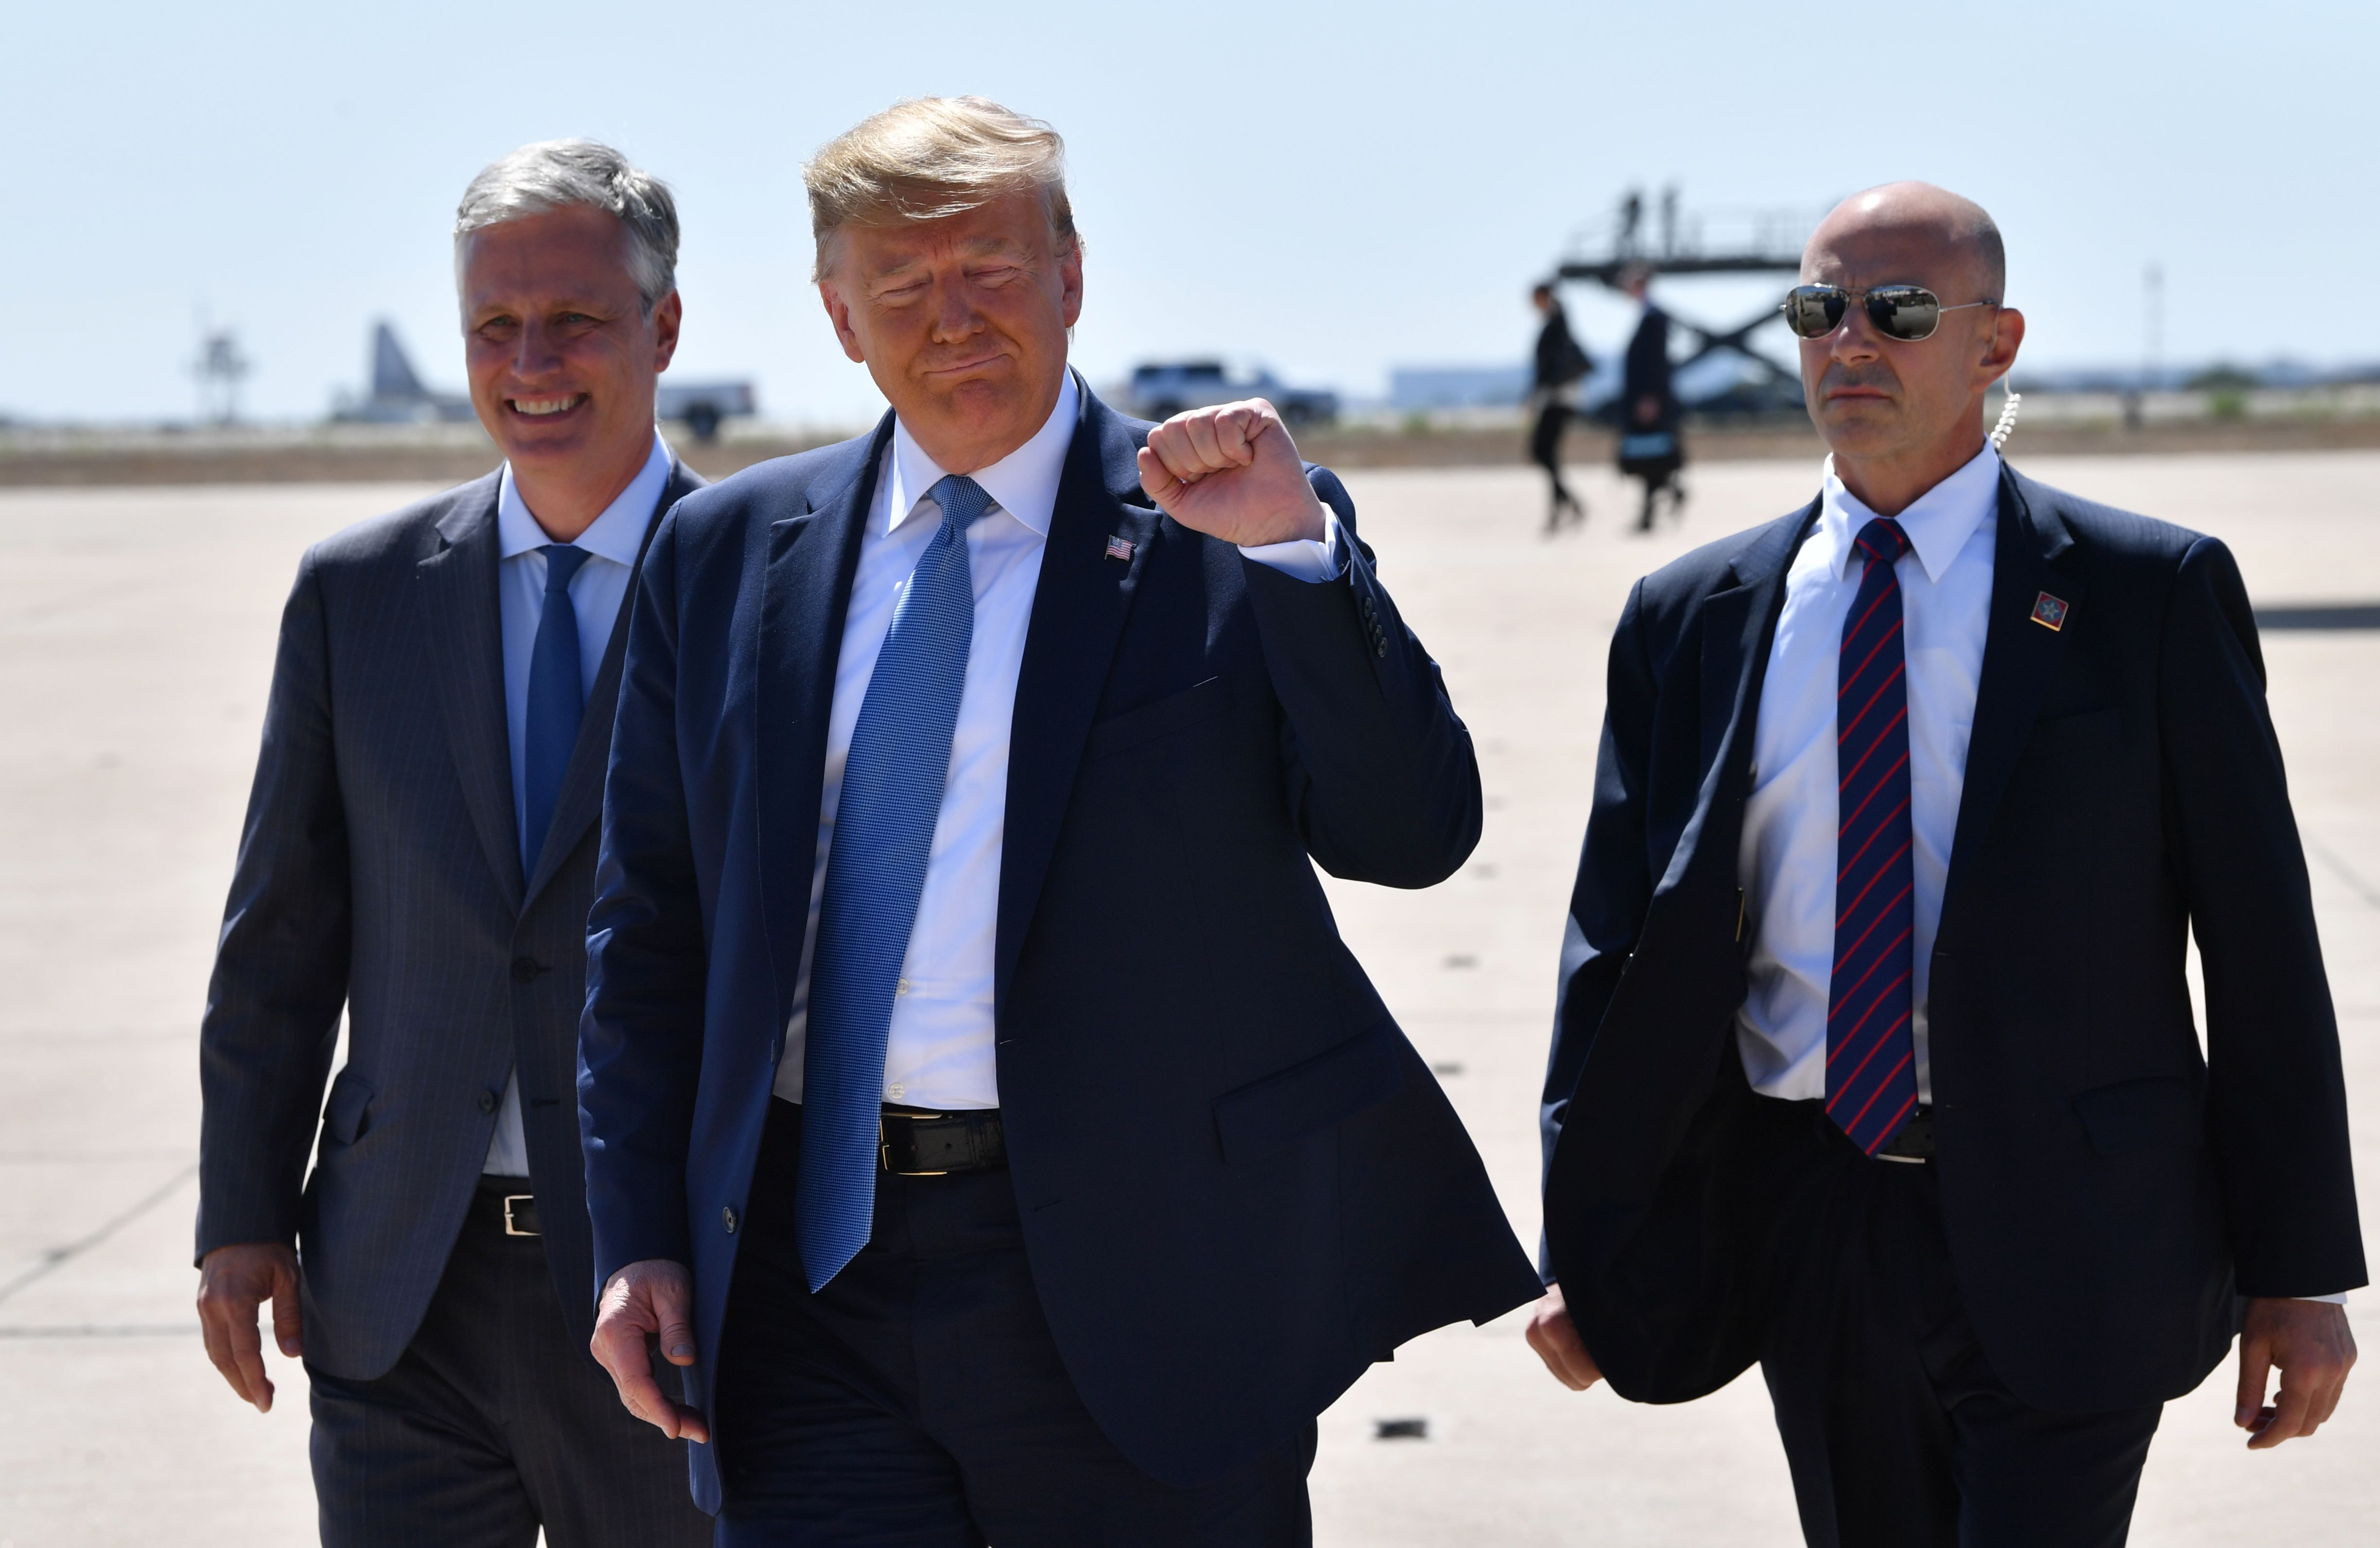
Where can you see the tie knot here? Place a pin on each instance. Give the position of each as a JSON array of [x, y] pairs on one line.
[[962, 499], [562, 562], [1882, 539]]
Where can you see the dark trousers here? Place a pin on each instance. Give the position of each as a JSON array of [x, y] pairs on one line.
[[1545, 450], [1898, 1431], [493, 1422], [919, 1398]]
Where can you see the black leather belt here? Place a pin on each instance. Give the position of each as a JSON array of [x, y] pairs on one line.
[[913, 1143], [1914, 1142], [508, 1204]]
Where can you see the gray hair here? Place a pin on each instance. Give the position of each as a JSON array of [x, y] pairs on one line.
[[556, 174], [929, 158]]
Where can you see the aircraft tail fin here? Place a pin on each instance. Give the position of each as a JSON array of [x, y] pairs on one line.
[[392, 373]]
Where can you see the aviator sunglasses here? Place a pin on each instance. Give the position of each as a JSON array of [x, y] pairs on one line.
[[1906, 312]]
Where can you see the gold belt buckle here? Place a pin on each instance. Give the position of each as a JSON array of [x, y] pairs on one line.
[[510, 1200], [884, 1145]]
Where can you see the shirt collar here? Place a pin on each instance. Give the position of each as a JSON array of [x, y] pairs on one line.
[[1937, 523], [1025, 482], [617, 535]]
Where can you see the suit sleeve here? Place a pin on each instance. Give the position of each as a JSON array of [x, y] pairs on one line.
[[1380, 775], [280, 958], [641, 1039], [1615, 882], [2277, 1100]]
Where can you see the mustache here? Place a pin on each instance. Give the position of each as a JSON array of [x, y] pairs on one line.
[[1876, 376]]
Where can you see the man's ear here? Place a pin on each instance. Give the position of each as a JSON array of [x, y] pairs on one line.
[[2007, 338], [1070, 280], [667, 317], [838, 311]]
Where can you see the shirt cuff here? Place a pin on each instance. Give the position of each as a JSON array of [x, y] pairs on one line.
[[1305, 558], [2338, 1299]]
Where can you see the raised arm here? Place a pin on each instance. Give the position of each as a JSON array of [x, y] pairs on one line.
[[1381, 777]]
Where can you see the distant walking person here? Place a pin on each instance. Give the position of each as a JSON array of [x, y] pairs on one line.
[[419, 852], [1649, 446], [1562, 365]]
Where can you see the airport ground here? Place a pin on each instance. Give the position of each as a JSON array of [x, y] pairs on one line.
[[136, 635]]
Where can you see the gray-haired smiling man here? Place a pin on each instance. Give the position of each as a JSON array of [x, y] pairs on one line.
[[419, 852]]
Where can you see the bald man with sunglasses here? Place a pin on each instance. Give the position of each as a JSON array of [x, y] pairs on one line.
[[1874, 1059]]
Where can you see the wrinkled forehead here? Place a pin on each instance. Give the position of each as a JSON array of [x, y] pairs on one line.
[[1011, 224], [575, 251], [1867, 250]]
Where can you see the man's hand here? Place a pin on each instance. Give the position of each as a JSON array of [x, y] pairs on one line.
[[1232, 472], [646, 1301], [1556, 1340], [233, 1282], [2309, 1341]]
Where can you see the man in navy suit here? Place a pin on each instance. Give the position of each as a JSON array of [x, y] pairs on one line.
[[1874, 1059], [420, 853], [979, 1103]]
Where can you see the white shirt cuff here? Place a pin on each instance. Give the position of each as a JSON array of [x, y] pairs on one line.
[[1305, 558], [2338, 1299]]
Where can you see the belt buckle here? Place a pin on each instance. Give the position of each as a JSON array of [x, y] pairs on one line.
[[884, 1144], [512, 1229]]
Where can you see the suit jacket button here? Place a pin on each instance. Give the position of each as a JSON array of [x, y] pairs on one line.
[[526, 968], [488, 1101], [727, 1218]]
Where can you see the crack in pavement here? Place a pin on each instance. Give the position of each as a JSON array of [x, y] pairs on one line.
[[56, 1258]]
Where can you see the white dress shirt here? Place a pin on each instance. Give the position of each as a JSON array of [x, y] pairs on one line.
[[596, 593], [1787, 862], [939, 1053]]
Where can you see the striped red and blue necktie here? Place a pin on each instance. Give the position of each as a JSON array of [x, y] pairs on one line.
[[1871, 1053]]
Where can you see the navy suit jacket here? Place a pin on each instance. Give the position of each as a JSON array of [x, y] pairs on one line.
[[1240, 1185], [379, 872], [2104, 1189]]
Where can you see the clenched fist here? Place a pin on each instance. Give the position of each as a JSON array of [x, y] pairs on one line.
[[1232, 472]]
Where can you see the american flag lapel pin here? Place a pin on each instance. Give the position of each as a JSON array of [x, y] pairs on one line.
[[2049, 612], [1120, 548]]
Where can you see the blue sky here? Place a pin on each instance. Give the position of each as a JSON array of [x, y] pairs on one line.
[[1336, 189]]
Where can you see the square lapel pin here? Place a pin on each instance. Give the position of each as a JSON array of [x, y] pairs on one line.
[[2049, 612], [1120, 548]]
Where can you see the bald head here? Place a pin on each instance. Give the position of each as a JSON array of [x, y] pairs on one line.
[[1902, 414], [1955, 236]]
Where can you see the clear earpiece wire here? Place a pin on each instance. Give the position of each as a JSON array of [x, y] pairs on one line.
[[2000, 431]]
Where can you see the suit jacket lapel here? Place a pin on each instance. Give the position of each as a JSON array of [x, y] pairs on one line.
[[1079, 608], [457, 586], [581, 797], [806, 594], [1737, 625], [2020, 657]]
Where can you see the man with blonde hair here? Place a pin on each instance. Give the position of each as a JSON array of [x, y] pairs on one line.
[[980, 1107], [420, 853]]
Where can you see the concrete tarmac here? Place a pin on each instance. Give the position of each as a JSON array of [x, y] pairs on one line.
[[136, 641]]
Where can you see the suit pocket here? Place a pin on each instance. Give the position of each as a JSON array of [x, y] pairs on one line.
[[345, 1116], [2159, 1113], [1176, 711], [1305, 1099]]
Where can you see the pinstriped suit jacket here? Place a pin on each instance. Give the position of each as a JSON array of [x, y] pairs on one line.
[[379, 872]]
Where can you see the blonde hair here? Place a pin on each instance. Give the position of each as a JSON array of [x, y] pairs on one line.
[[928, 158]]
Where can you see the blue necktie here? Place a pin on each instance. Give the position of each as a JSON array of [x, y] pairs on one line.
[[1871, 1050], [893, 782], [556, 701]]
